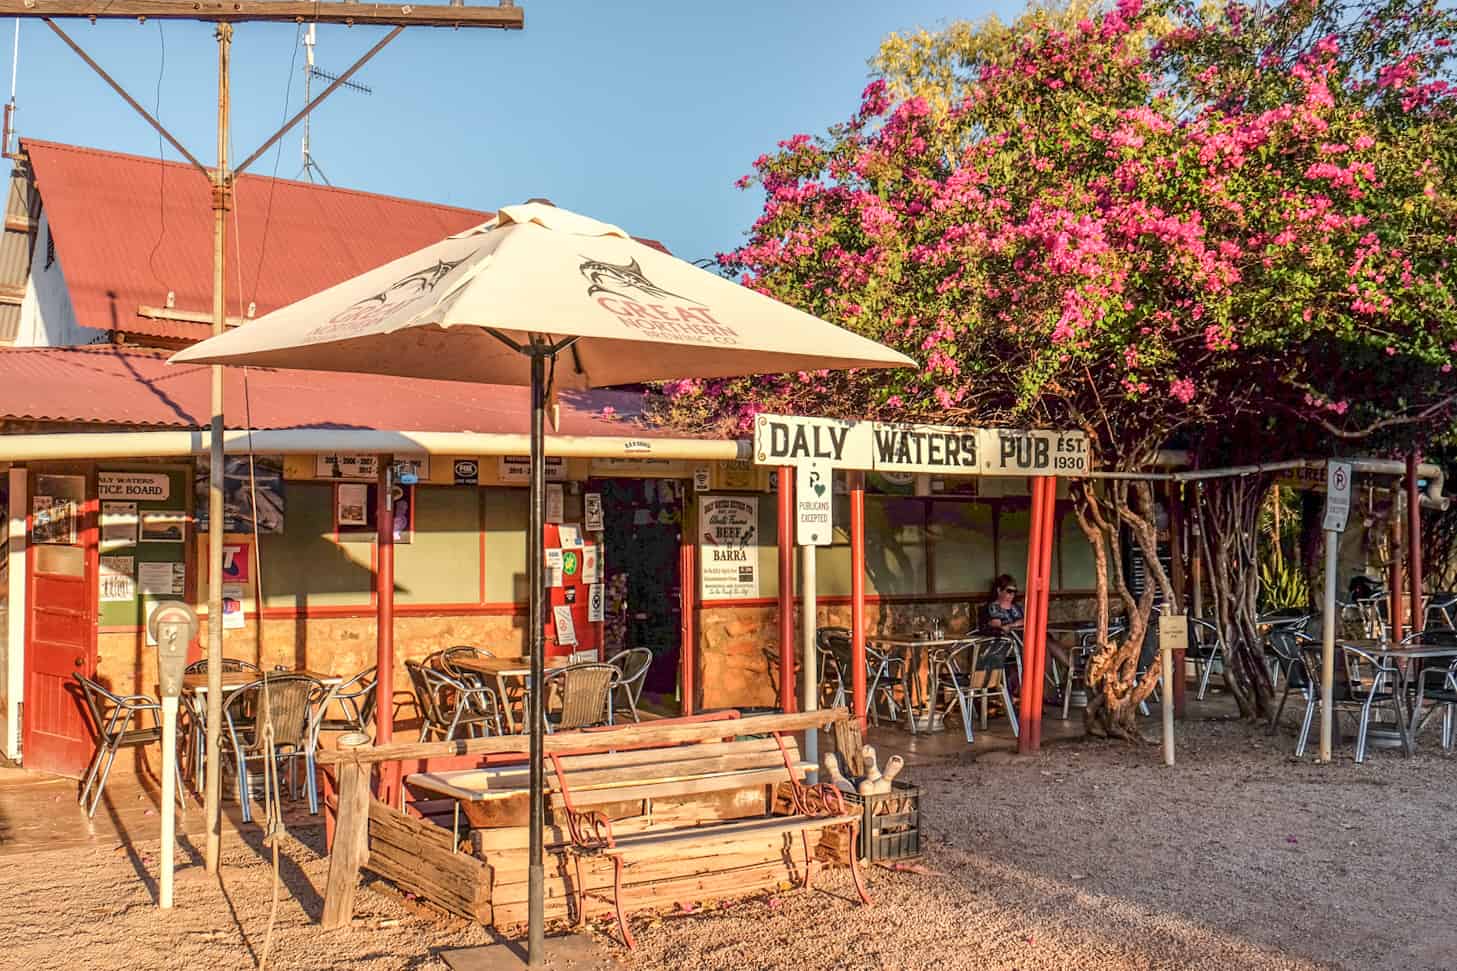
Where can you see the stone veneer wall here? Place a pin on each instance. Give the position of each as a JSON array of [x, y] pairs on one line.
[[738, 645], [330, 645]]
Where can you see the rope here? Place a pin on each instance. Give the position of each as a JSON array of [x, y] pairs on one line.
[[273, 828]]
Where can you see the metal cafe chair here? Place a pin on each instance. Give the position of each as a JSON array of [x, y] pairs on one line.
[[971, 672], [884, 671], [1441, 612], [197, 713], [288, 708], [834, 652], [448, 661], [1362, 682], [578, 696], [1438, 685], [446, 704], [355, 698], [1287, 644], [111, 717], [632, 670], [1206, 649]]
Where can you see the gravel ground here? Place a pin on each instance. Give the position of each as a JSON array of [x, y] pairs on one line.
[[1091, 855]]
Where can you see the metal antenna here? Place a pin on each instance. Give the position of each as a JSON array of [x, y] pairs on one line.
[[9, 128], [311, 71]]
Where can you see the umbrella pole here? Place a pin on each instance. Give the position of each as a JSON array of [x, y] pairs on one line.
[[537, 646]]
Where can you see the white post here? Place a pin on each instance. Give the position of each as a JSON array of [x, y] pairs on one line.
[[1166, 696], [14, 635], [169, 799], [1328, 645], [809, 669]]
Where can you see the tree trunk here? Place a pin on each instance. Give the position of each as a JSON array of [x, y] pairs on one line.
[[1116, 685], [1228, 512]]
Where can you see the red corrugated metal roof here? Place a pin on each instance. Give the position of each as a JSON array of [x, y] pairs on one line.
[[128, 229], [129, 386]]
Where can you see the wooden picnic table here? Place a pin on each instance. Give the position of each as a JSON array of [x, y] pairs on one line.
[[504, 670]]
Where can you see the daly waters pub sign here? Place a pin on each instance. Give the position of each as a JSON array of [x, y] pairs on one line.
[[939, 449]]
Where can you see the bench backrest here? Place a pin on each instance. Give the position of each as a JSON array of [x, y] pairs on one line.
[[585, 780]]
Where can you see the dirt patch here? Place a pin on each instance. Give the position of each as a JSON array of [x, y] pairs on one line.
[[1091, 855]]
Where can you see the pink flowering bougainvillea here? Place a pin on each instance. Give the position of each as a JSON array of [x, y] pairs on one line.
[[1228, 225]]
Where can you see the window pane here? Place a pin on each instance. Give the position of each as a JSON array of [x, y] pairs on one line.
[[895, 545], [1014, 522], [1079, 570], [962, 547]]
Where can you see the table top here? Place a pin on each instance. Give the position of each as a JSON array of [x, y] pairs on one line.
[[911, 640], [1399, 651], [236, 679], [504, 665]]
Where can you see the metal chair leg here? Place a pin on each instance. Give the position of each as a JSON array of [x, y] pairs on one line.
[[1011, 711], [1305, 725], [1361, 730], [101, 782]]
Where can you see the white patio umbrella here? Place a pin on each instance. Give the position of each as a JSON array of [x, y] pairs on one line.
[[540, 287]]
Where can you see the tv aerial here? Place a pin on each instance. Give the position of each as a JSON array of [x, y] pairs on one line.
[[311, 166]]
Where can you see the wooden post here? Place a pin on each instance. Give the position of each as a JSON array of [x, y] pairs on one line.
[[221, 200], [786, 588], [1175, 676], [351, 835], [857, 596], [688, 627], [1414, 543]]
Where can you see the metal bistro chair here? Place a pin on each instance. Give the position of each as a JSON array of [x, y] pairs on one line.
[[288, 708], [1287, 645], [578, 696], [111, 725], [972, 671], [1363, 681], [632, 670], [884, 671], [446, 704], [1080, 655], [448, 661], [1206, 649], [1441, 612], [1437, 684], [197, 715], [834, 652], [355, 698]]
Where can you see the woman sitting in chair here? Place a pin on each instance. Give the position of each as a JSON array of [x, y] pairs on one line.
[[1005, 614]]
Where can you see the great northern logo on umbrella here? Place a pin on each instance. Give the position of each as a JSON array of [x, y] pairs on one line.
[[626, 292], [419, 286]]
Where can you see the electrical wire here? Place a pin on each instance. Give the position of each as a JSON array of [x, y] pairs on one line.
[[277, 157], [161, 161]]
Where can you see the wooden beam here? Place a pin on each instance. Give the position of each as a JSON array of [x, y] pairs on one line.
[[351, 845], [185, 316], [265, 11], [621, 736]]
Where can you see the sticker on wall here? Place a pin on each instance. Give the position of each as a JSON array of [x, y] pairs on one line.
[[702, 478], [591, 563], [568, 535], [118, 525], [233, 606], [158, 579], [566, 629], [592, 511], [556, 502], [571, 562], [570, 594], [553, 568], [467, 472], [118, 579], [236, 562], [594, 603]]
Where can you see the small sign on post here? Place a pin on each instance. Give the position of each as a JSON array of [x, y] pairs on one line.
[[1337, 495], [1173, 636], [814, 500]]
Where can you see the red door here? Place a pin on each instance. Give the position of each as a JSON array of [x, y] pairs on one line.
[[61, 626]]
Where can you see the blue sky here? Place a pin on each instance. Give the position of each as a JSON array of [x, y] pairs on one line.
[[640, 113]]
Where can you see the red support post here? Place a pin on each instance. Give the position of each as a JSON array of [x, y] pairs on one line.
[[786, 588], [1028, 704], [857, 595], [1414, 543], [384, 595], [688, 625]]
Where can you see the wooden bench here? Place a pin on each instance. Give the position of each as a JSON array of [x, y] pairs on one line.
[[690, 809], [576, 786]]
